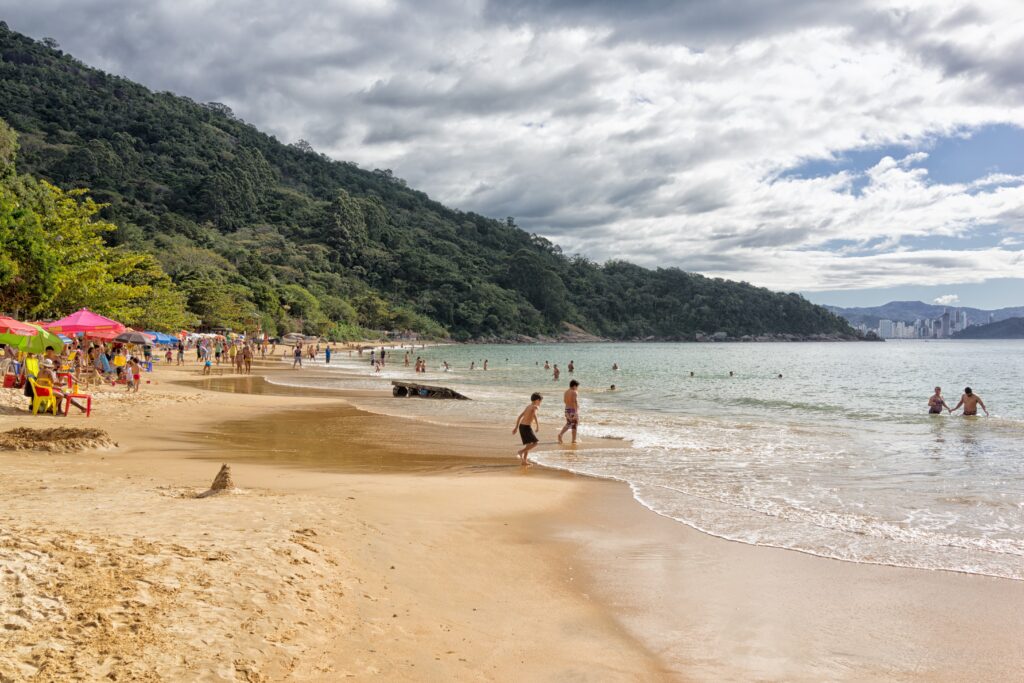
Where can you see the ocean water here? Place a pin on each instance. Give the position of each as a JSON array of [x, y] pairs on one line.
[[838, 458]]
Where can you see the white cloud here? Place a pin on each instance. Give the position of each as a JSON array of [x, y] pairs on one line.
[[946, 300], [655, 136]]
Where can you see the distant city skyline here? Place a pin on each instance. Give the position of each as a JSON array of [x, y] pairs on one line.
[[1001, 293], [850, 151]]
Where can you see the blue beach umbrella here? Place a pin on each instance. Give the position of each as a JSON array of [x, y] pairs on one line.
[[161, 338]]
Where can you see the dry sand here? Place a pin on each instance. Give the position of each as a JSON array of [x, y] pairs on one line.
[[358, 546], [110, 567]]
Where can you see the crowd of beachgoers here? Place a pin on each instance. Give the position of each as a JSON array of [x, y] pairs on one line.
[[56, 365]]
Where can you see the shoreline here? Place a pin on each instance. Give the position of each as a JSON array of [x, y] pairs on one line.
[[994, 604], [605, 559]]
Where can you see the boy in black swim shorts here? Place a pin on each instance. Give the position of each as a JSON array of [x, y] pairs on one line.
[[530, 439]]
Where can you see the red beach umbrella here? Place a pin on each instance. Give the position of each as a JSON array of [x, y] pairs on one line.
[[12, 326]]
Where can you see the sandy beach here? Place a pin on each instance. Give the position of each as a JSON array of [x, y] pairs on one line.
[[379, 548]]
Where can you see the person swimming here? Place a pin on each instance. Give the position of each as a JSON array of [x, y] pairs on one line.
[[970, 401], [936, 403]]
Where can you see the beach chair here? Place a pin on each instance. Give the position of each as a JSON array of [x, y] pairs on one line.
[[107, 369], [42, 396]]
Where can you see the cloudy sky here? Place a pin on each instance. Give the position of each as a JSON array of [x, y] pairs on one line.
[[856, 151]]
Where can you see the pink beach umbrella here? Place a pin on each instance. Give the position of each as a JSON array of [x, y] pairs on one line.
[[84, 320]]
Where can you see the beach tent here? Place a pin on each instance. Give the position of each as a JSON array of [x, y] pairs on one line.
[[92, 324]]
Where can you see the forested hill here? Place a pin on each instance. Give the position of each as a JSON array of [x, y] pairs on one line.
[[254, 230], [1011, 328]]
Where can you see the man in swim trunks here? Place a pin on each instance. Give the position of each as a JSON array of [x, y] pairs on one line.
[[530, 439], [935, 403], [970, 401], [572, 410]]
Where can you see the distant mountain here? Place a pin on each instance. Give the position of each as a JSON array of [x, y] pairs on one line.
[[1011, 328], [909, 311]]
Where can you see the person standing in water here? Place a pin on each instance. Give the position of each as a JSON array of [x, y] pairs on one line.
[[936, 403], [572, 410], [572, 367], [970, 401], [327, 354], [529, 439], [556, 372]]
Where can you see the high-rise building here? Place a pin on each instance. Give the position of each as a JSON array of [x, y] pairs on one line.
[[963, 319], [885, 329], [944, 330]]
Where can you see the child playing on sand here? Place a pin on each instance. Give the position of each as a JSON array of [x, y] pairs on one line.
[[530, 439], [207, 366]]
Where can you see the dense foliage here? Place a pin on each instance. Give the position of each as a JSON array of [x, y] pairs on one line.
[[53, 258], [253, 230]]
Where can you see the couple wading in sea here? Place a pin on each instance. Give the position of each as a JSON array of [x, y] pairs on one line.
[[970, 402], [529, 417]]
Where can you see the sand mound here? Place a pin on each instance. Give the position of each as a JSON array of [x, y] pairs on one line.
[[221, 483], [56, 440]]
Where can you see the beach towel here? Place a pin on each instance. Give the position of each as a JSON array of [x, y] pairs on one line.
[[107, 370]]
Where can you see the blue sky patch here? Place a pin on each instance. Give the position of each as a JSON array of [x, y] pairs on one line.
[[954, 159]]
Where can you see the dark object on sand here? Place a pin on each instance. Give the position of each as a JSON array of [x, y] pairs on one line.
[[405, 389], [222, 482]]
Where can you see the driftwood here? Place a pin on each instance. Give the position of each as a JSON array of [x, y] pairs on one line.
[[406, 389]]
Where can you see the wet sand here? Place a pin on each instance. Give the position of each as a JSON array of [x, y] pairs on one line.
[[716, 610], [383, 548]]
